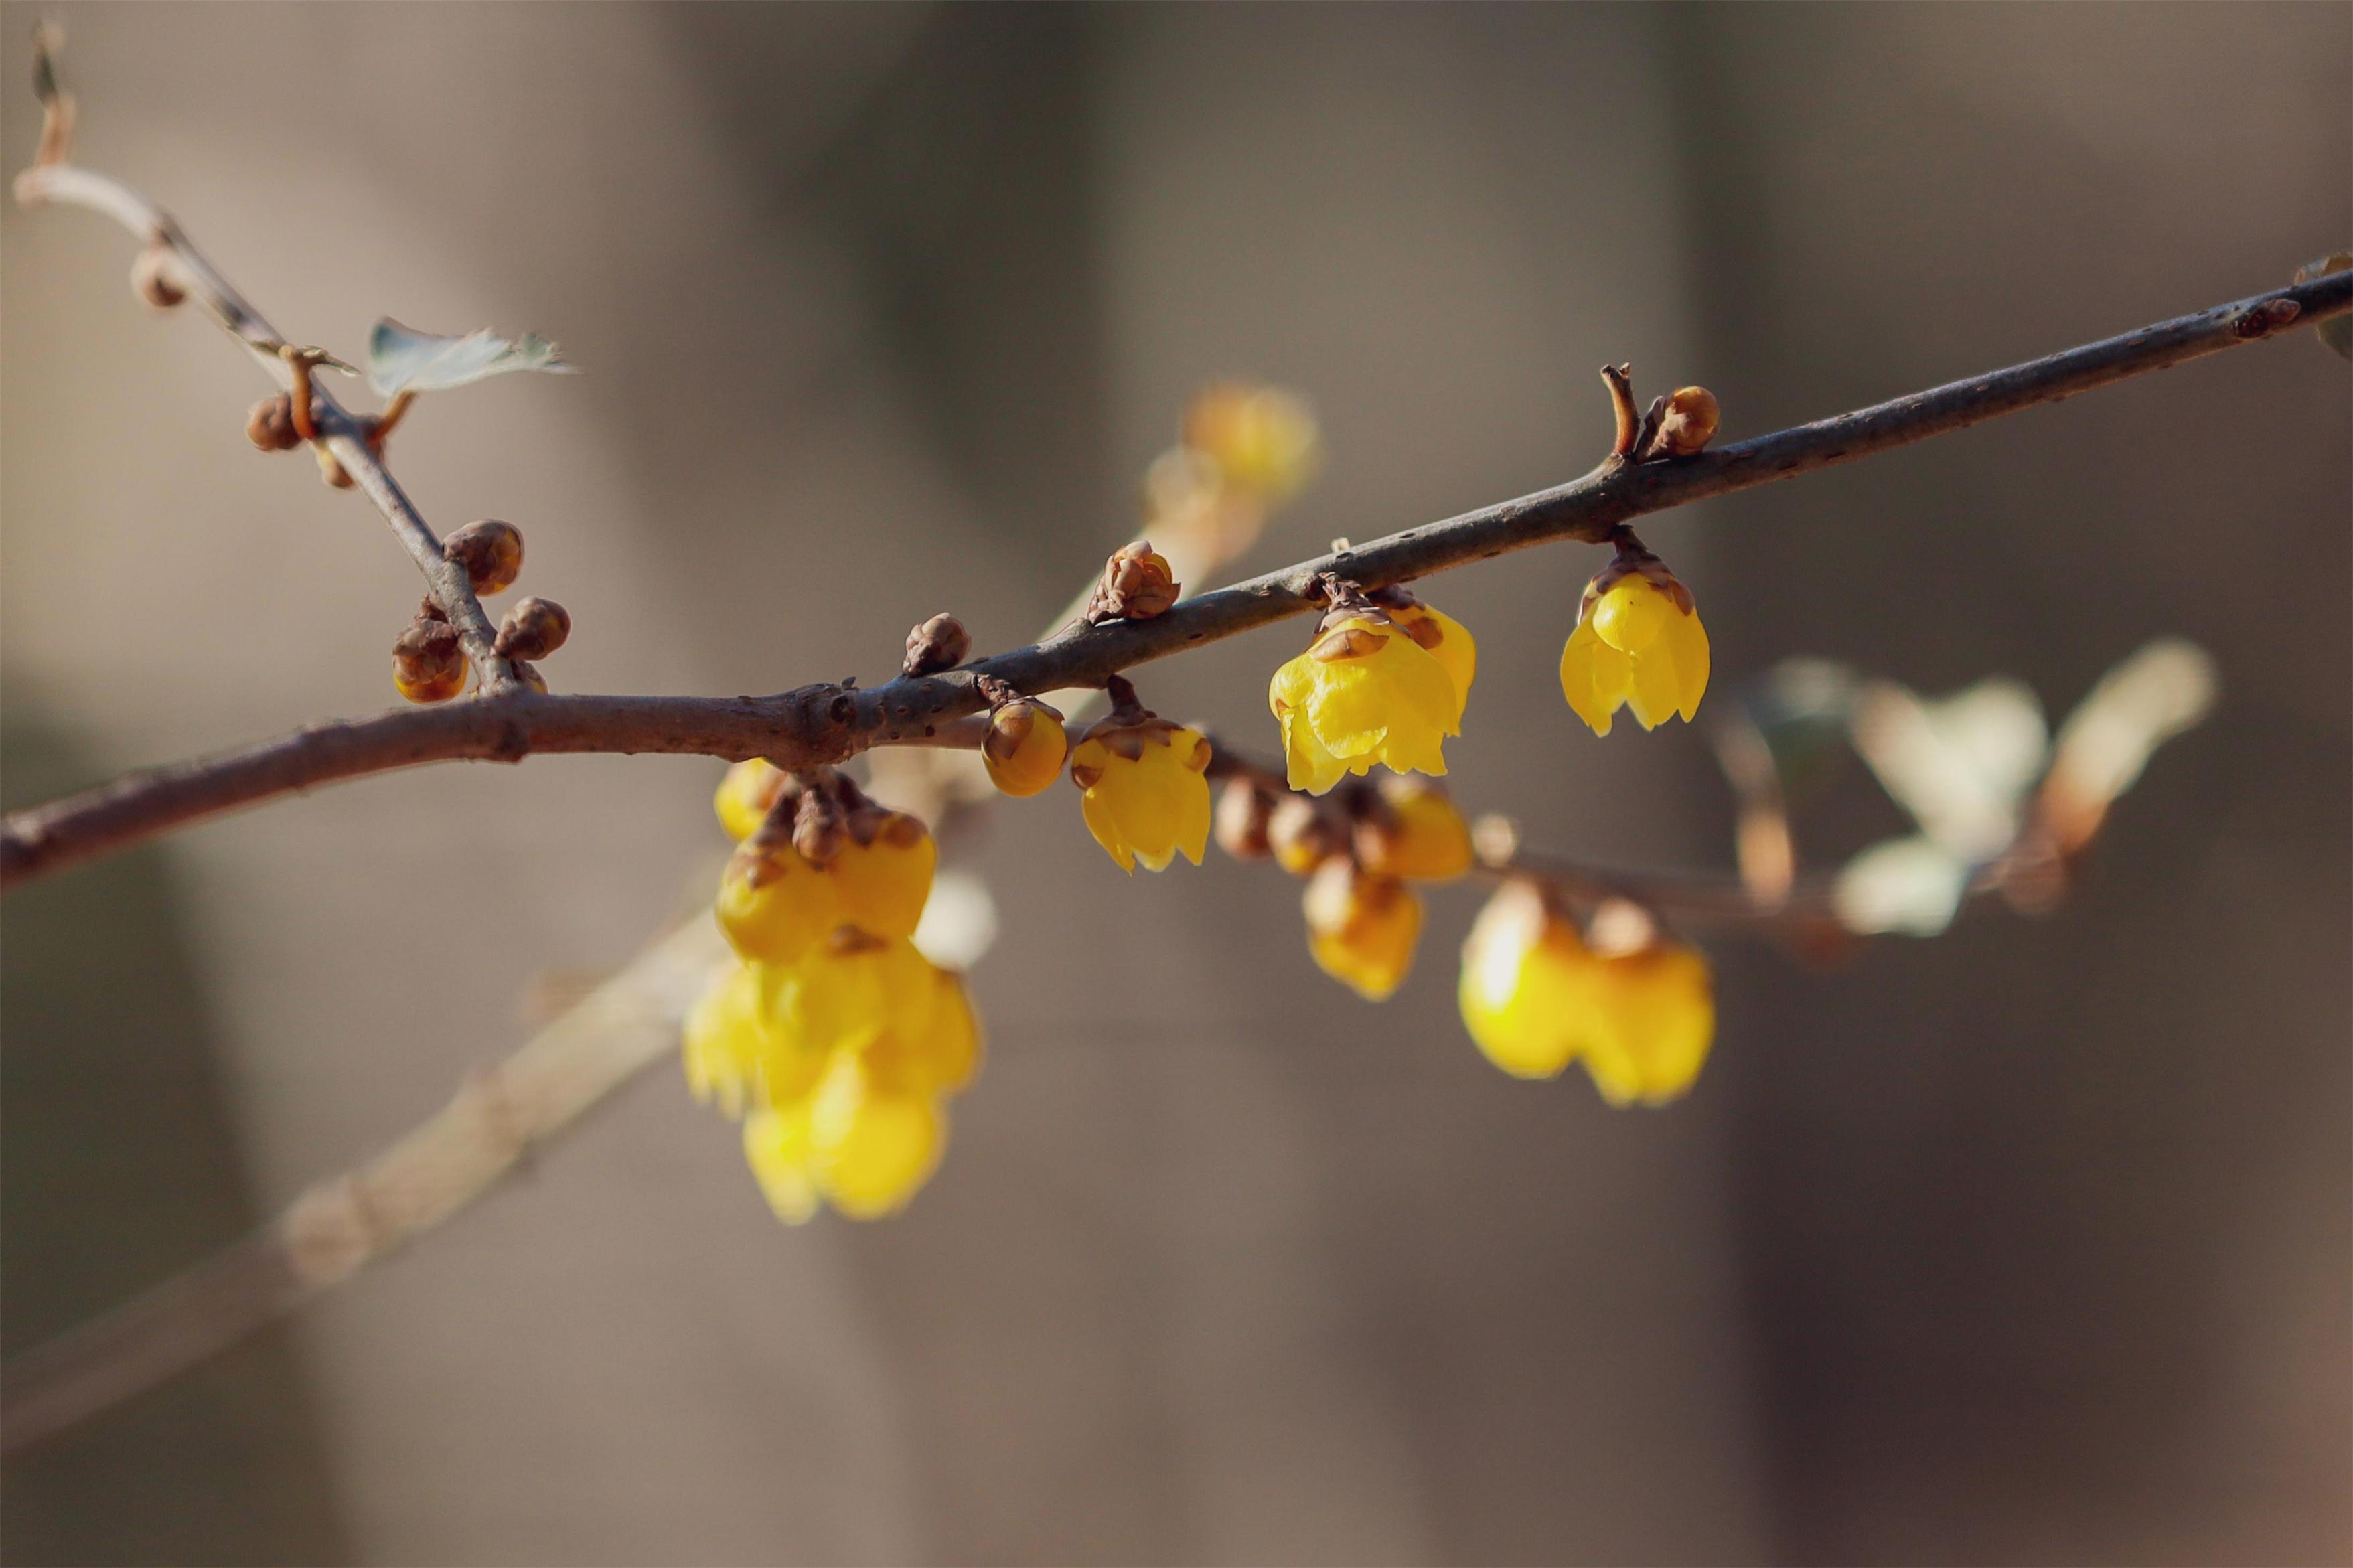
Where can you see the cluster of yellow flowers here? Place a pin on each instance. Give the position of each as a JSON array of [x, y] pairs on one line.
[[832, 1038], [837, 1042]]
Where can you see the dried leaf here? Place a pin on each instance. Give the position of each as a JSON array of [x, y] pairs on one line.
[[2337, 331], [1909, 885], [2164, 689], [401, 359], [1961, 765]]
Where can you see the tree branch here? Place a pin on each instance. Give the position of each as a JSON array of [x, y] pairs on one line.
[[820, 724], [341, 1224], [342, 432]]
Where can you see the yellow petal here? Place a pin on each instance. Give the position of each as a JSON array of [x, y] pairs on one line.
[[776, 1145], [882, 886], [1105, 827], [871, 1151], [1632, 614], [1688, 638], [1593, 676], [1655, 688]]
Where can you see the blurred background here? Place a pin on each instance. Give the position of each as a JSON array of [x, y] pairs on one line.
[[2029, 1244]]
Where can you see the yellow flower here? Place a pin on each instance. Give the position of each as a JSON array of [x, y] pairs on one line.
[[883, 874], [1535, 996], [1143, 792], [1025, 747], [1527, 990], [1262, 437], [773, 904], [933, 1047], [1638, 643], [1446, 638], [863, 1149], [746, 794], [735, 1050], [1656, 1020], [1361, 927], [1414, 830], [850, 992], [1365, 692], [870, 1149]]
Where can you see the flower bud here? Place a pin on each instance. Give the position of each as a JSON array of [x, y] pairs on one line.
[[490, 550], [1413, 829], [1240, 826], [155, 276], [940, 643], [427, 663], [1688, 423], [1137, 585], [330, 469], [533, 628], [1362, 929], [271, 426], [1025, 746], [1301, 836]]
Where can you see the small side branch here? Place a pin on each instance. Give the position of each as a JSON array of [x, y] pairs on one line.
[[342, 432]]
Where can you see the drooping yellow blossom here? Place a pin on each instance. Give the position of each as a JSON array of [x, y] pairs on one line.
[[1414, 830], [1143, 790], [1364, 692], [1361, 927], [838, 1065], [773, 904], [1638, 643], [1262, 438], [1446, 638], [863, 1149], [1657, 1019], [1025, 747], [746, 794], [883, 873], [1527, 984], [1535, 996]]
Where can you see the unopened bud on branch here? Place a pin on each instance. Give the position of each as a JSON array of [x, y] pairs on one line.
[[1240, 824], [427, 663], [271, 426], [533, 628], [490, 550], [1688, 423], [940, 643], [1137, 585], [155, 276]]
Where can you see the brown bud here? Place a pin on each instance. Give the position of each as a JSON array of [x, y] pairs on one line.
[[1688, 423], [819, 827], [330, 470], [533, 628], [1243, 809], [271, 426], [490, 550], [428, 663], [1301, 836], [1137, 585], [427, 610], [155, 276], [940, 643]]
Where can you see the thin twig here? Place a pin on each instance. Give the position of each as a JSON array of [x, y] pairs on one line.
[[340, 1225], [344, 433]]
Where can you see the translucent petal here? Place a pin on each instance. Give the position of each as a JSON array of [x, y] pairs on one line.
[[871, 1151], [1593, 676], [1458, 653], [776, 1145], [1654, 690], [1688, 638], [1105, 827]]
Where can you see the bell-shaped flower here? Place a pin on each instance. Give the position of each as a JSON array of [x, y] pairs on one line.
[[1365, 692], [1361, 927], [1413, 828], [1142, 789], [1639, 644], [863, 1149], [1444, 637]]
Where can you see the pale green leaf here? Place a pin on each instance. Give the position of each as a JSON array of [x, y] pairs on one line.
[[401, 359], [1908, 885]]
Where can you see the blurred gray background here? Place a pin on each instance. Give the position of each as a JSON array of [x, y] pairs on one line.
[[2030, 1244]]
